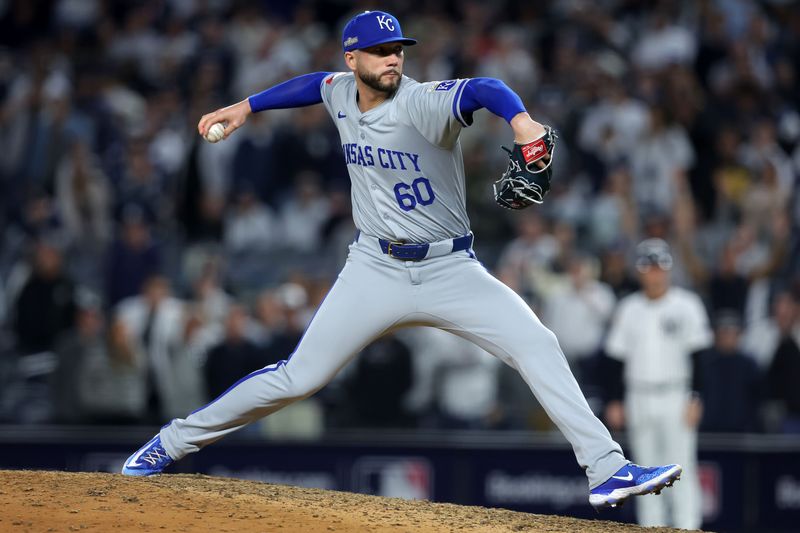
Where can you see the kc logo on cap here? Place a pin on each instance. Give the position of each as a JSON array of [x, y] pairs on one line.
[[371, 28], [385, 22]]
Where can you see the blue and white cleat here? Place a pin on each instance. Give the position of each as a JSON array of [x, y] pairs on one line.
[[633, 480], [148, 460]]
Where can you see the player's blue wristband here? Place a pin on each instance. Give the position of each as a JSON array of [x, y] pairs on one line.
[[297, 92], [492, 94]]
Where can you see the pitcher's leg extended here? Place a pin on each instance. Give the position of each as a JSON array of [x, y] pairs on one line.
[[497, 319], [346, 321], [369, 298]]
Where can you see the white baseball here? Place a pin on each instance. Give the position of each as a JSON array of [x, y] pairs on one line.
[[215, 133]]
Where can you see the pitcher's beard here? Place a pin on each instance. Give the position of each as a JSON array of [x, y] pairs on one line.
[[373, 81]]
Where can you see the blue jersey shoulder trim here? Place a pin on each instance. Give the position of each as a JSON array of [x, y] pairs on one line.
[[457, 110]]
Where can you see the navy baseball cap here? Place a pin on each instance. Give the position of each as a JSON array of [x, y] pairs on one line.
[[653, 253], [370, 28]]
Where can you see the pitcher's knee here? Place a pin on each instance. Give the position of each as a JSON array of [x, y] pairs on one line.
[[549, 340], [303, 386], [543, 344]]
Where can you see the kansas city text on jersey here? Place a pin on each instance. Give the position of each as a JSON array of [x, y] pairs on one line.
[[367, 156]]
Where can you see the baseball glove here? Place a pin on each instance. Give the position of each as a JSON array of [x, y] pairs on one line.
[[524, 182]]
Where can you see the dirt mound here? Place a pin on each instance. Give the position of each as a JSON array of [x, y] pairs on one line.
[[35, 501]]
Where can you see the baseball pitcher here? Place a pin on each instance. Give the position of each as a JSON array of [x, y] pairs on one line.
[[412, 261]]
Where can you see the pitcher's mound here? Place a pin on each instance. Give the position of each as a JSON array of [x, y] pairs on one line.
[[35, 501]]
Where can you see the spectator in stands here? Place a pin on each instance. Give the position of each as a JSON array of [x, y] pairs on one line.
[[134, 256], [663, 41], [34, 217], [83, 197], [660, 160], [250, 225], [338, 230], [729, 382], [200, 200], [518, 409], [255, 162], [38, 118], [767, 198], [154, 319], [269, 318], [235, 356], [187, 354], [731, 179], [528, 257], [112, 384], [752, 254], [612, 125], [208, 296], [615, 272], [45, 305], [612, 214], [784, 369], [762, 337], [143, 185], [510, 58], [74, 347], [727, 288], [284, 316], [580, 299], [304, 214], [455, 381], [292, 301], [379, 383], [310, 153]]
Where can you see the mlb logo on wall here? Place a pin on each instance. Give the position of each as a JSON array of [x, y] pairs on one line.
[[445, 85], [410, 478]]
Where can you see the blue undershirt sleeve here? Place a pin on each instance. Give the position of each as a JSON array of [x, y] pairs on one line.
[[492, 94], [296, 92]]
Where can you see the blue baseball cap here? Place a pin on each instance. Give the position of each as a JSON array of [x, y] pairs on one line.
[[370, 28]]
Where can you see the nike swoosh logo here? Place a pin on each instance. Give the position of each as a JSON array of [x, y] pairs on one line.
[[133, 461], [622, 478], [341, 115]]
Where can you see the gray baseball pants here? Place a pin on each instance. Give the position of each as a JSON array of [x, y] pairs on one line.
[[375, 294]]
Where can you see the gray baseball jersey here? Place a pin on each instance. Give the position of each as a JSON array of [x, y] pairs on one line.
[[408, 184], [404, 158]]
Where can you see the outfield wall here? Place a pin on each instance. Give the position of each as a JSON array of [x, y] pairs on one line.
[[750, 482]]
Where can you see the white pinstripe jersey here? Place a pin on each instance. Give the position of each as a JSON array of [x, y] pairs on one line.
[[404, 158]]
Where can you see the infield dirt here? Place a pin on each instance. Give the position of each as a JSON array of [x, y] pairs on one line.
[[39, 501]]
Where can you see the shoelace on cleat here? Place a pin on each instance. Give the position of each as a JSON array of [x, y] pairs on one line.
[[155, 455]]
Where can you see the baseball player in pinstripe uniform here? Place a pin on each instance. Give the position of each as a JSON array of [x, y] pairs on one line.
[[412, 261], [654, 333]]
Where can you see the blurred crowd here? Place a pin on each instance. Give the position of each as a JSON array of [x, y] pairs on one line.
[[143, 271]]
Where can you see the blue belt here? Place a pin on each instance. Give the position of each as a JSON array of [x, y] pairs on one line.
[[420, 251]]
